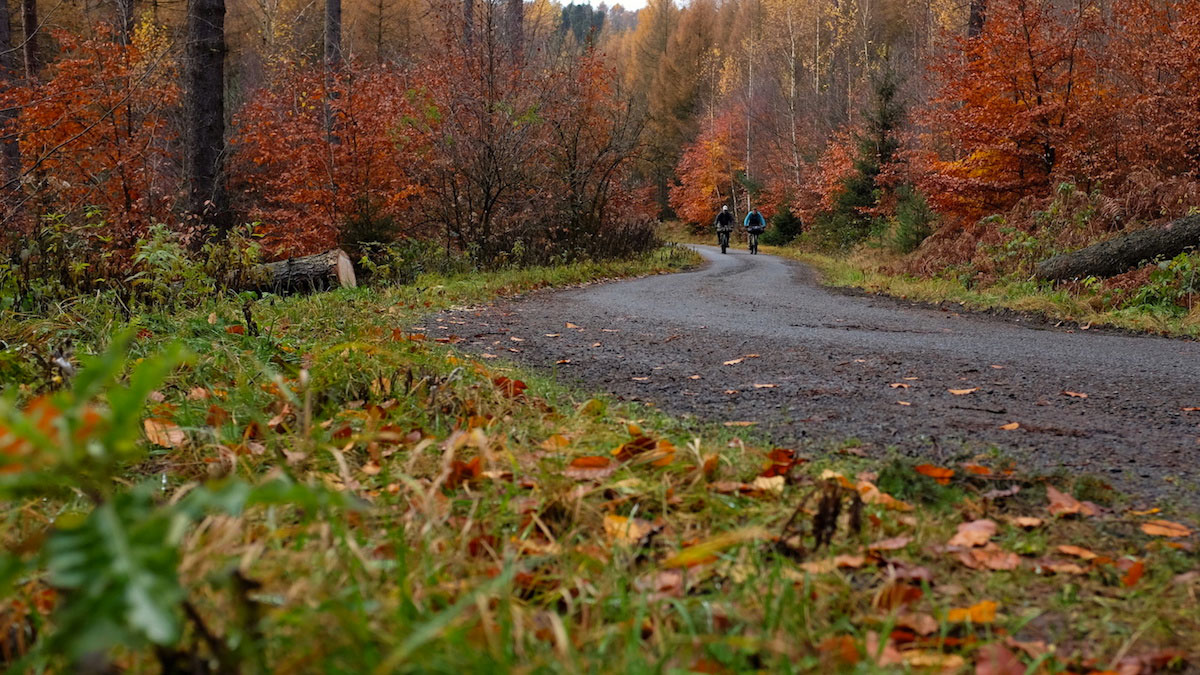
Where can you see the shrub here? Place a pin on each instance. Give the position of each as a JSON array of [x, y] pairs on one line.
[[785, 226], [913, 221]]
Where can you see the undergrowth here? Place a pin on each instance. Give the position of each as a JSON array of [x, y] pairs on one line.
[[332, 491]]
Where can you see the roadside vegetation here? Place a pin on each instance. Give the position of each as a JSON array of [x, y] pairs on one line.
[[212, 488]]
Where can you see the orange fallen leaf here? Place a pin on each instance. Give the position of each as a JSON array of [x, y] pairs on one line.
[[640, 379], [872, 495], [1133, 574], [1075, 394], [553, 335], [488, 356], [1147, 512], [765, 386], [1011, 426], [1062, 504], [562, 362], [555, 442], [911, 379], [1166, 528], [1057, 567], [977, 469], [830, 564], [947, 663], [163, 433], [998, 367], [236, 329], [571, 325], [1027, 522], [903, 403], [731, 391], [940, 474], [963, 392], [899, 385], [983, 612], [740, 424], [841, 650], [974, 533], [693, 377], [751, 356], [733, 362], [1078, 552], [1192, 409]]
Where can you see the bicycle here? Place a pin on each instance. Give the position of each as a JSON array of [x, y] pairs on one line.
[[723, 239], [752, 239]]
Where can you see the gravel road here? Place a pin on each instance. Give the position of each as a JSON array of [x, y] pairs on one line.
[[815, 365]]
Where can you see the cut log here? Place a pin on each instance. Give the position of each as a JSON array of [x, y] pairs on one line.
[[1117, 256], [319, 272]]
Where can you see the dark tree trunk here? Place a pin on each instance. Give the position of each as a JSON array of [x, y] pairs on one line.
[[333, 33], [207, 198], [468, 21], [29, 22], [1122, 254], [10, 155], [124, 20], [977, 18], [515, 21]]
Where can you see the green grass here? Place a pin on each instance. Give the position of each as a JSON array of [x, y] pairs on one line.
[[460, 541]]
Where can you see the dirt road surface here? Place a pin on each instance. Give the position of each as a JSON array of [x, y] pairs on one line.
[[757, 339]]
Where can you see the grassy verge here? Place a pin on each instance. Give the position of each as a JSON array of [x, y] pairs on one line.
[[869, 271], [341, 493]]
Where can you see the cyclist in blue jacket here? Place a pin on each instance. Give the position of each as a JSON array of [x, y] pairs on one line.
[[755, 225]]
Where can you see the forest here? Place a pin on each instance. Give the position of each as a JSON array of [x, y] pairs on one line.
[[253, 419]]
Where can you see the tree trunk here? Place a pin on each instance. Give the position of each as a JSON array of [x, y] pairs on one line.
[[1122, 254], [516, 29], [10, 156], [331, 269], [29, 23], [333, 33], [976, 18], [207, 198], [124, 21], [468, 22]]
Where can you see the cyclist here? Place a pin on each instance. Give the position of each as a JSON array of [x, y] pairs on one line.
[[755, 225], [724, 224]]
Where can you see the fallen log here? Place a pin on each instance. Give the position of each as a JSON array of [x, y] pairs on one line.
[[319, 272], [1116, 256]]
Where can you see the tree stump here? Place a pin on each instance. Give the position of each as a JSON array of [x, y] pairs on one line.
[[1117, 256], [319, 272]]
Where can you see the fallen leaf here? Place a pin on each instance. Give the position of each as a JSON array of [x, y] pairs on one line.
[[1078, 552], [911, 379], [1133, 574], [996, 659], [1035, 649], [903, 403], [983, 612], [1057, 567], [554, 335], [896, 593], [1027, 522], [740, 424], [236, 329], [1191, 409], [765, 386], [640, 379], [1147, 512], [488, 356], [590, 467], [998, 367], [999, 494], [1165, 528], [212, 318], [899, 385], [1063, 504], [989, 557], [830, 564], [571, 325], [693, 377], [940, 474], [1075, 394], [734, 362], [873, 495], [562, 362], [707, 550], [1011, 426], [974, 533], [555, 442], [892, 544], [977, 469], [163, 433], [769, 484], [197, 394], [731, 391], [963, 392], [838, 650], [595, 344], [947, 663], [628, 531]]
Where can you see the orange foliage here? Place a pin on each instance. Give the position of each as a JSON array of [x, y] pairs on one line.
[[93, 132], [705, 174], [305, 182]]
